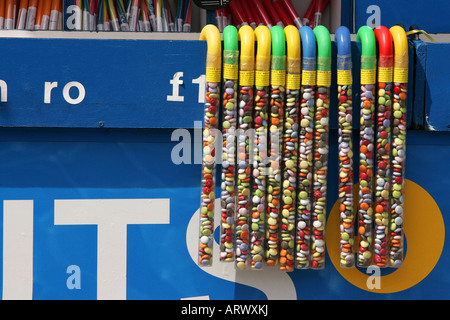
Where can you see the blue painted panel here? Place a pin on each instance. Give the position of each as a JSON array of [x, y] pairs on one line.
[[126, 83], [431, 17], [419, 84], [48, 164], [437, 115]]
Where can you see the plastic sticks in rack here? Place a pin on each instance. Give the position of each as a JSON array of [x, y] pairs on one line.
[[321, 147], [383, 146], [367, 135], [31, 15], [400, 90], [290, 141], [306, 152], [130, 15], [345, 146], [211, 115], [229, 127]]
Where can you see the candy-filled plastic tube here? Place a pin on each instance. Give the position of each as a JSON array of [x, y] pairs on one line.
[[229, 127], [306, 152], [398, 145], [243, 146], [383, 174], [260, 151], [290, 149], [276, 119], [345, 145], [321, 147], [211, 34], [366, 147]]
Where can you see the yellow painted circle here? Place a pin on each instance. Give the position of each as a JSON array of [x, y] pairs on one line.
[[424, 231]]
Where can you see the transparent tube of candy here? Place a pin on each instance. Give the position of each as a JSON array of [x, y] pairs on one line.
[[345, 145], [229, 127], [290, 155], [305, 163], [383, 151], [399, 110], [321, 148], [210, 133], [366, 160]]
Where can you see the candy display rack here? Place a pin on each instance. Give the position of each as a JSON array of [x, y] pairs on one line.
[[102, 140]]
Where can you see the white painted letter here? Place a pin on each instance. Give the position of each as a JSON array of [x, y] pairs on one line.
[[374, 281], [74, 280], [17, 249], [184, 147], [4, 89], [176, 82], [374, 20], [112, 217], [48, 91], [81, 92]]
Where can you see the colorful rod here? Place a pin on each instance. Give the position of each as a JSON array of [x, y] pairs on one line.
[[229, 126], [319, 9], [345, 145], [366, 147], [273, 13], [309, 14], [282, 13], [306, 138], [321, 147], [261, 117], [398, 145], [21, 14], [290, 149], [287, 4], [187, 22], [277, 95], [213, 78], [31, 15], [383, 174], [244, 144], [262, 13], [248, 13], [121, 15]]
